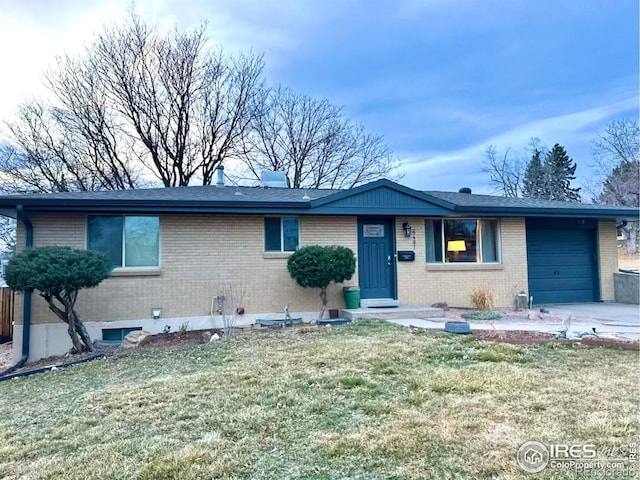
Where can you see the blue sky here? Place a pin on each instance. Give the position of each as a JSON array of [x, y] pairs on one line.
[[440, 79]]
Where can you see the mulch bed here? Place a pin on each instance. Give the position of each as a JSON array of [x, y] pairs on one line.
[[198, 337], [159, 341], [610, 342], [182, 339], [521, 337]]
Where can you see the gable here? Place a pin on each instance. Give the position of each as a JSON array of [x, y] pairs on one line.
[[382, 199]]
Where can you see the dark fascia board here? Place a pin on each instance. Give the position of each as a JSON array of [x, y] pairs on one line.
[[383, 182], [608, 213], [278, 209]]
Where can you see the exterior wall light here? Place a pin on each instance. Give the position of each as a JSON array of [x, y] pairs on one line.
[[155, 313]]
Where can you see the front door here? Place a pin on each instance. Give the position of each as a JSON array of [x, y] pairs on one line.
[[376, 262]]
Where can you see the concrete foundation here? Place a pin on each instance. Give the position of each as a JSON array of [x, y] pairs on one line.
[[49, 339]]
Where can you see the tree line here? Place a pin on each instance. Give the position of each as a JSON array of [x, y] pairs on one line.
[[142, 106], [548, 174]]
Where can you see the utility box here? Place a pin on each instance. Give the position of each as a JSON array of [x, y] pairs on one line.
[[522, 301]]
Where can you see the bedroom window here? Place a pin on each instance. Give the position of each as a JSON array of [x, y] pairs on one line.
[[462, 241], [128, 241], [281, 234]]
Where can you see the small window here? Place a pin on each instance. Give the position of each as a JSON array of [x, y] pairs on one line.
[[128, 241], [462, 241], [116, 335], [281, 234]]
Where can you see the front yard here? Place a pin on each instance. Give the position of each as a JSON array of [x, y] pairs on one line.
[[369, 401]]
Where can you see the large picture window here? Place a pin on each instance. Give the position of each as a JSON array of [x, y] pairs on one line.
[[128, 241], [281, 234], [462, 241]]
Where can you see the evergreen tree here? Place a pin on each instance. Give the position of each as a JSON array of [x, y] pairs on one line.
[[534, 177], [560, 169]]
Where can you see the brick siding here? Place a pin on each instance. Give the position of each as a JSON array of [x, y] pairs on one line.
[[199, 252]]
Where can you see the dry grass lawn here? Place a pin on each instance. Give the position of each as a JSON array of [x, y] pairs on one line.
[[628, 262], [369, 401]]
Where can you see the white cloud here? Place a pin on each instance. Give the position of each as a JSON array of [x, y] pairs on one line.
[[463, 166]]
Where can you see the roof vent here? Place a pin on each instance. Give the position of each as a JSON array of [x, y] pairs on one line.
[[464, 190], [220, 182], [274, 179], [306, 197]]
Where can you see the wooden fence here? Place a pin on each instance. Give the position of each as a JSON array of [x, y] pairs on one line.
[[6, 313]]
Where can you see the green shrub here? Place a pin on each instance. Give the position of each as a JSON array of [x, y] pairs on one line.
[[482, 315], [317, 266], [58, 273]]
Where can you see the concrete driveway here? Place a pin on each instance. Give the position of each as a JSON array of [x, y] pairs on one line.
[[621, 314]]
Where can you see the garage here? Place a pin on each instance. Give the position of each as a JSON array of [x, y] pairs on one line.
[[562, 260]]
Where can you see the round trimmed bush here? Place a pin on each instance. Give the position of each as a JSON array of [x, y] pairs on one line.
[[317, 266]]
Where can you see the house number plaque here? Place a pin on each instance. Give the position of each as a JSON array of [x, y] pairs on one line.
[[376, 231]]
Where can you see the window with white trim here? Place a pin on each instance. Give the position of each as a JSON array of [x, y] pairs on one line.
[[281, 234], [128, 241], [462, 240]]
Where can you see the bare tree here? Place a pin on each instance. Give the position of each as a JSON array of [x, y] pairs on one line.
[[186, 107], [136, 102], [314, 143], [229, 304], [56, 150], [7, 236], [618, 144], [617, 171], [507, 170]]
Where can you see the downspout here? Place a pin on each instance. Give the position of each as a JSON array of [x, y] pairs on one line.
[[26, 307]]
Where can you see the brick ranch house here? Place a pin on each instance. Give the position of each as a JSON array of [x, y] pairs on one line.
[[172, 247]]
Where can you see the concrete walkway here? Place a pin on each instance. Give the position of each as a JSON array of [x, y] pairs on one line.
[[615, 320], [629, 333], [607, 313]]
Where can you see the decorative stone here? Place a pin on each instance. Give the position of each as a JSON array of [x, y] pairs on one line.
[[214, 338], [137, 338], [442, 305]]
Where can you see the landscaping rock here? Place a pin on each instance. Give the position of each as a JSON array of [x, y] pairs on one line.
[[206, 336], [214, 338], [137, 338], [443, 305]]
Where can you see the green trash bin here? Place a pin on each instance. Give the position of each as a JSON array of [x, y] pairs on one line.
[[351, 297]]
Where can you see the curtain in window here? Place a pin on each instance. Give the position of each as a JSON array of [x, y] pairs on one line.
[[431, 246], [290, 234], [489, 240]]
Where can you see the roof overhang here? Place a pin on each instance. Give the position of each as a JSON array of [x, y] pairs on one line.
[[382, 198]]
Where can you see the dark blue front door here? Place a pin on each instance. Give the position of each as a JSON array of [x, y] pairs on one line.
[[376, 262]]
